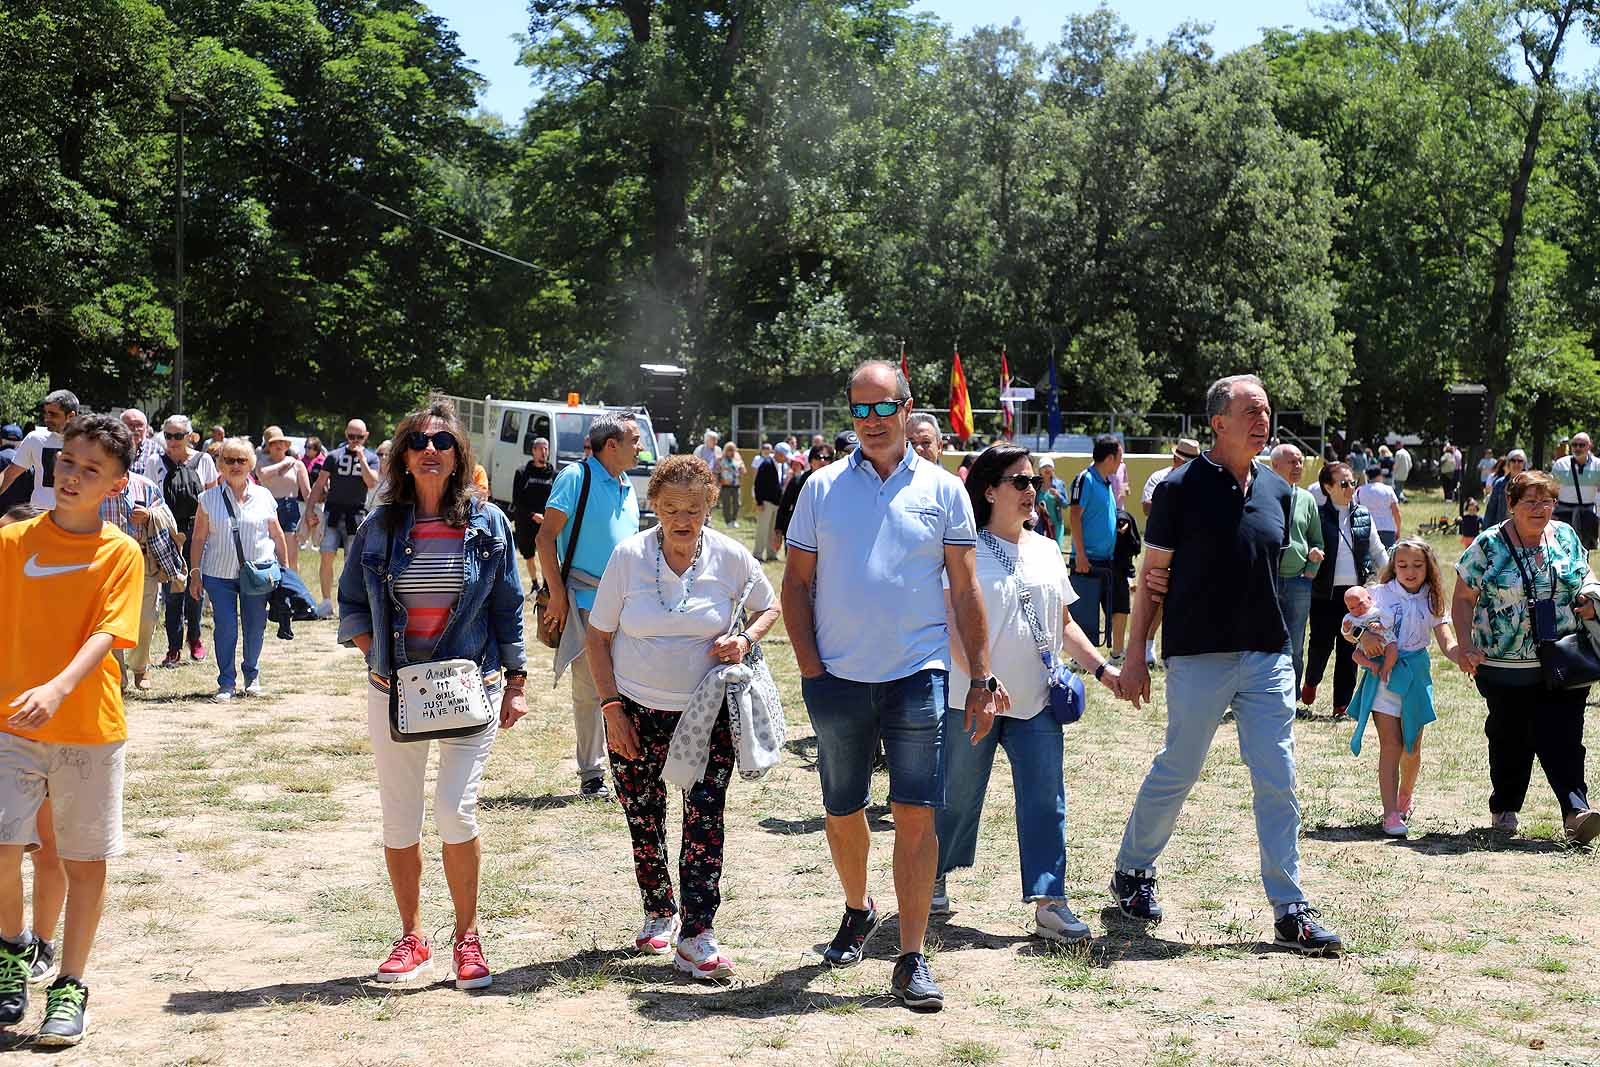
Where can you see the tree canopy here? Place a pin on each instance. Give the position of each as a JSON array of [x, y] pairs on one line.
[[766, 193]]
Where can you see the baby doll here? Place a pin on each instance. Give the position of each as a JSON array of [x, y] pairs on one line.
[[1365, 620]]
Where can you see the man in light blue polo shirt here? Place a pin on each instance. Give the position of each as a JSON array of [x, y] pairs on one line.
[[1092, 514], [874, 537], [610, 515]]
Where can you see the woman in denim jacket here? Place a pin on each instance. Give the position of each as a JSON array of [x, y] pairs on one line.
[[432, 575]]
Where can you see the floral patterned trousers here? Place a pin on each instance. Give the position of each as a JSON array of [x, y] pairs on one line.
[[644, 802]]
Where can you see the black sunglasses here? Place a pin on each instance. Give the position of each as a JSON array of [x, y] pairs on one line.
[[1346, 484], [443, 440], [1022, 482], [174, 436], [883, 408]]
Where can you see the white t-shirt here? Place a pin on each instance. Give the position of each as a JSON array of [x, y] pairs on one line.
[[38, 452], [1402, 465], [1344, 563], [660, 656], [1486, 467], [1012, 655], [1449, 460], [1379, 499], [1150, 483]]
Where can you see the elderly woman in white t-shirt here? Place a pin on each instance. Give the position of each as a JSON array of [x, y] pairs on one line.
[[242, 506], [660, 622], [1013, 559]]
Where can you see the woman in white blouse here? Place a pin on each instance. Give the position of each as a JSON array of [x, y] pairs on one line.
[[214, 562], [1013, 560], [660, 622]]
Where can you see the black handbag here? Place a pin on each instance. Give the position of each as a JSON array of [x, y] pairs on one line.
[[1569, 662]]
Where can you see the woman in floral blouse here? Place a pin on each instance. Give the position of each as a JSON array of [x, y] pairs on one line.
[[1529, 558]]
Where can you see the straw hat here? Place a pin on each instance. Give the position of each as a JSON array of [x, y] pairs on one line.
[[273, 433]]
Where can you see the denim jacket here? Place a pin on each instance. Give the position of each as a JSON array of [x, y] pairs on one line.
[[484, 626]]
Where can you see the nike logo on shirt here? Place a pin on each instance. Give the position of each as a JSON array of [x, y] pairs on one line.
[[34, 569]]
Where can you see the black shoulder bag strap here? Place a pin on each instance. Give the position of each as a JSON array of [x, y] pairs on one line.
[[1572, 469], [238, 545], [577, 526]]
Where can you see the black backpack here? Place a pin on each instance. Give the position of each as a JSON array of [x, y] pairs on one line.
[[182, 488]]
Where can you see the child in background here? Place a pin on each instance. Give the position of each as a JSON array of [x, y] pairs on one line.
[[73, 587], [1412, 597], [1471, 522], [1365, 619]]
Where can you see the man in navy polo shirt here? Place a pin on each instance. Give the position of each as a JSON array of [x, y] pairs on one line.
[[1092, 514], [1217, 533], [871, 543]]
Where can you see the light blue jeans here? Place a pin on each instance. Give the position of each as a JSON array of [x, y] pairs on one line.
[[227, 605], [1034, 748], [1199, 690], [1294, 597]]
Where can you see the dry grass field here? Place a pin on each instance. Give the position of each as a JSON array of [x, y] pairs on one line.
[[246, 919]]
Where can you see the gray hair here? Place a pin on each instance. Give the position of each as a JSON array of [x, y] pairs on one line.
[[608, 427], [537, 441], [178, 422], [922, 418], [134, 411], [65, 399], [1220, 395], [902, 388], [1281, 451]]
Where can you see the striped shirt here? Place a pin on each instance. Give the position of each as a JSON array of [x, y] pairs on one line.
[[255, 517], [431, 585]]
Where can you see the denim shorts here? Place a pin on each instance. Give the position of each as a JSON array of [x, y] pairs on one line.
[[850, 718]]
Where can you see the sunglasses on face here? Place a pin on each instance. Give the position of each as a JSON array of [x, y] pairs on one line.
[[173, 436], [442, 441], [1022, 482], [883, 408], [355, 437], [232, 460], [1346, 484]]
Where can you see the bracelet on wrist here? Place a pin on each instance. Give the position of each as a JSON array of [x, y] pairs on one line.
[[608, 701]]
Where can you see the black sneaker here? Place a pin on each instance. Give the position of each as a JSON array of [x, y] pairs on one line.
[[914, 985], [1300, 931], [66, 1013], [849, 945], [16, 963], [43, 954], [1136, 897], [595, 789]]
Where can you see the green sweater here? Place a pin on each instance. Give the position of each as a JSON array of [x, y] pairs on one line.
[[1305, 533]]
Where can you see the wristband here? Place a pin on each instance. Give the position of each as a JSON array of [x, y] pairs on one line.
[[608, 701], [1098, 671]]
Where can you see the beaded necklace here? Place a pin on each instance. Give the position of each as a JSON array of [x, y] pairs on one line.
[[688, 574]]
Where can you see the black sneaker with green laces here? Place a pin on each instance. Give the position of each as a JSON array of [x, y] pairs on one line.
[[66, 1012], [44, 961], [16, 962]]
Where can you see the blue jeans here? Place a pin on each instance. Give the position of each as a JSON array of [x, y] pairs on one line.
[[849, 719], [1094, 600], [227, 604], [1294, 597], [1034, 748], [1199, 690]]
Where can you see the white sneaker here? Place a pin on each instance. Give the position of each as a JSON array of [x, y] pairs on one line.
[[941, 899], [702, 957], [325, 609], [1056, 922], [657, 935], [254, 689], [222, 696]]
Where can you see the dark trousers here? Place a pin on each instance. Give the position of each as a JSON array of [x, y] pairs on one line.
[[181, 608], [1529, 721], [1325, 641], [644, 804], [1094, 602]]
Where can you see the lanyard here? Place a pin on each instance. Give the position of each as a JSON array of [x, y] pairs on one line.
[[1529, 585]]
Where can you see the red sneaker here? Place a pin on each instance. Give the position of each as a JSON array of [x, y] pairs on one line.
[[173, 658], [197, 651], [409, 957], [467, 965]]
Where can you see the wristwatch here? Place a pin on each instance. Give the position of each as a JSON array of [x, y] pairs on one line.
[[516, 676], [989, 682], [1100, 670]]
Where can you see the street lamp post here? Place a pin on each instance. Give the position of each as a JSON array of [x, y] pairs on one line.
[[179, 100]]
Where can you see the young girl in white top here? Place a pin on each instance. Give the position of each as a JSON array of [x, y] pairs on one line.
[[1410, 600]]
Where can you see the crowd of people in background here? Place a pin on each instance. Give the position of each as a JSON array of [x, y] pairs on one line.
[[999, 573]]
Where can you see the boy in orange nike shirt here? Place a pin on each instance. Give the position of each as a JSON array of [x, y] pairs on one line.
[[72, 595]]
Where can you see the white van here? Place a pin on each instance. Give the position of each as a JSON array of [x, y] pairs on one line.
[[503, 432]]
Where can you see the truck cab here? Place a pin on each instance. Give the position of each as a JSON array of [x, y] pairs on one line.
[[503, 432]]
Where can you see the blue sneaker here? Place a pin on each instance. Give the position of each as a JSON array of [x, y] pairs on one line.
[[914, 985]]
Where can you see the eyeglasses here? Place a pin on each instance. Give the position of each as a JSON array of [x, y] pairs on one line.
[[883, 408], [180, 435], [231, 460], [1543, 504], [442, 441], [355, 437], [1022, 483]]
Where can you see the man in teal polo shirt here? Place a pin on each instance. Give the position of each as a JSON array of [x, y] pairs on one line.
[[610, 515], [1092, 514]]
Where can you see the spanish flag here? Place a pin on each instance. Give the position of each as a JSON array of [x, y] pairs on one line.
[[960, 406]]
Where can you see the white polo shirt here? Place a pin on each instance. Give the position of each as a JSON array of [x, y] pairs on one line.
[[879, 596], [1587, 476]]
